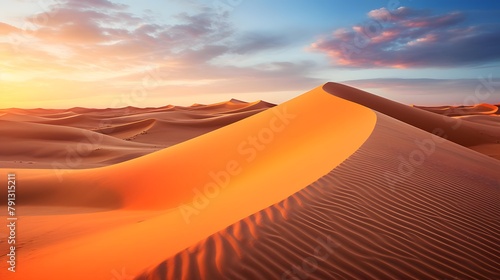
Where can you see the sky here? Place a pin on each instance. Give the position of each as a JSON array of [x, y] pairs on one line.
[[151, 53]]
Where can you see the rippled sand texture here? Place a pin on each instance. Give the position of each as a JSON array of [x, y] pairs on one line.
[[334, 184]]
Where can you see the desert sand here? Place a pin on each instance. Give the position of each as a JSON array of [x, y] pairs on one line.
[[480, 137], [451, 111], [81, 138], [334, 184]]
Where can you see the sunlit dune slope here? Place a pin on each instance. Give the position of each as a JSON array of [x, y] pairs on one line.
[[406, 205], [194, 189], [261, 141]]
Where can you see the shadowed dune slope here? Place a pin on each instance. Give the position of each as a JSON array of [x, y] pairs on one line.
[[438, 219]]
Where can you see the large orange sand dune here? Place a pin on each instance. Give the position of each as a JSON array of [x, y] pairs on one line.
[[318, 188], [163, 181]]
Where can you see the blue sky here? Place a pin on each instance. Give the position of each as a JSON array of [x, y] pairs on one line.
[[105, 53]]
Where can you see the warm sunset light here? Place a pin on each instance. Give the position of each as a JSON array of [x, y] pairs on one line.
[[249, 139], [68, 53]]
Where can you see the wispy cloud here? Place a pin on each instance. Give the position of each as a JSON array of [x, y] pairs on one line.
[[411, 38], [105, 45], [102, 29], [6, 29]]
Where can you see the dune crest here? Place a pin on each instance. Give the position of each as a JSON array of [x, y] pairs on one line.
[[197, 187], [319, 187], [367, 220], [476, 136]]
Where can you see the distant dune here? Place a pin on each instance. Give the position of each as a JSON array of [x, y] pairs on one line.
[[64, 134], [477, 136], [451, 111], [334, 184]]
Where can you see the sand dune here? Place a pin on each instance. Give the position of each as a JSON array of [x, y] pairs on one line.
[[129, 130], [232, 104], [493, 120], [461, 132], [75, 120], [17, 117], [58, 115], [384, 213], [498, 111], [258, 105], [37, 111], [169, 178], [451, 111], [318, 187], [34, 145], [151, 128], [167, 133], [440, 222]]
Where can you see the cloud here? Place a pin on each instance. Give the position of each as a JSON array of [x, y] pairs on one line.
[[397, 83], [104, 48], [93, 4], [106, 34], [410, 38], [250, 43], [6, 29]]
